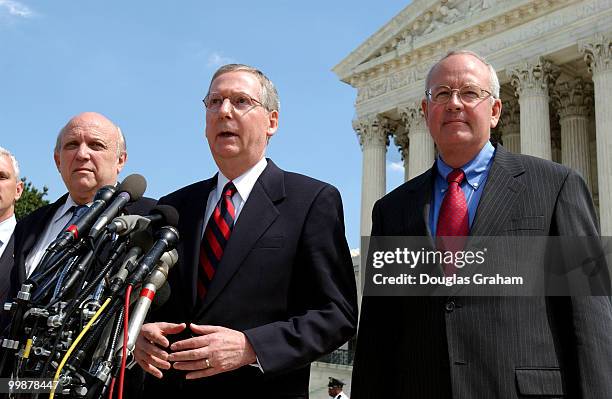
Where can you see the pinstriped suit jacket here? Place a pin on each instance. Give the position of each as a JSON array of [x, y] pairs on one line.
[[488, 347]]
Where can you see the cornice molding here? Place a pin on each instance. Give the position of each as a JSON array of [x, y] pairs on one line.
[[400, 74], [425, 29]]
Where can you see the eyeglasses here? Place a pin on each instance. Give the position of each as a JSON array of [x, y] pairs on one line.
[[468, 94], [241, 102]]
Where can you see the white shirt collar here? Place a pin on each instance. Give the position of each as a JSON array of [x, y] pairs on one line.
[[6, 229], [245, 182]]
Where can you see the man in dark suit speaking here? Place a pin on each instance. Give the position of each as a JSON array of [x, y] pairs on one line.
[[482, 347], [264, 284]]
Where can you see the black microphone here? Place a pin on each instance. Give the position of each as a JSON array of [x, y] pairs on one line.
[[159, 216], [153, 283], [84, 222], [129, 263], [166, 239], [130, 189]]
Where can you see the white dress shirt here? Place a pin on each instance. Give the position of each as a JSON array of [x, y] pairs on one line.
[[244, 185], [58, 222], [6, 231]]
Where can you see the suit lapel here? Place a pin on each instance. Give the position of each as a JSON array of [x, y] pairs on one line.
[[7, 255], [426, 196], [6, 267], [33, 232], [500, 193], [417, 206], [257, 214], [192, 225]]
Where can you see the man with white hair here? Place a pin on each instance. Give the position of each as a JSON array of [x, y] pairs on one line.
[[10, 191]]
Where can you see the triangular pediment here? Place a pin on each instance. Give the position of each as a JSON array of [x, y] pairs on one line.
[[424, 24]]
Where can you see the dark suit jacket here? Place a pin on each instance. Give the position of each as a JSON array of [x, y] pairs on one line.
[[286, 280], [488, 347], [6, 266]]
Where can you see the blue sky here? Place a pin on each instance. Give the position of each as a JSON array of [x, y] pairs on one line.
[[147, 65]]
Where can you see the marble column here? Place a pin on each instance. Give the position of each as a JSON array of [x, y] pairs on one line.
[[421, 152], [402, 142], [593, 163], [374, 138], [510, 124], [572, 101], [597, 52], [555, 134], [531, 80]]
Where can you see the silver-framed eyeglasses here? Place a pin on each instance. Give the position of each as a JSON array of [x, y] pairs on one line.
[[468, 94], [241, 102]]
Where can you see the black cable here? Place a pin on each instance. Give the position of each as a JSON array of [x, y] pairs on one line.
[[75, 303]]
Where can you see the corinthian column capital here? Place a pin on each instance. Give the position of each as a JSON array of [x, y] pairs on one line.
[[597, 52], [372, 130], [533, 77], [412, 114], [401, 142], [573, 98], [510, 120]]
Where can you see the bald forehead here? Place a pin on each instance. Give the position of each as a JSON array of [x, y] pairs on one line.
[[91, 120], [95, 125], [458, 66]]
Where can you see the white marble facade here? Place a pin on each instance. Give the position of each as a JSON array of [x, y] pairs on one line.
[[554, 61]]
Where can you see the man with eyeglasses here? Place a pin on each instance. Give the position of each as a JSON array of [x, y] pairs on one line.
[[265, 282], [475, 346]]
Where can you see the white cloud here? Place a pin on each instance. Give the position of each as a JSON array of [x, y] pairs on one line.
[[215, 59], [16, 8], [396, 166]]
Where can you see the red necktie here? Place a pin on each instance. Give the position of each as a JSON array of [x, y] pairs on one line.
[[215, 238], [453, 219]]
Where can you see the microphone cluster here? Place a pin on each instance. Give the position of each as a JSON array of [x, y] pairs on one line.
[[69, 320]]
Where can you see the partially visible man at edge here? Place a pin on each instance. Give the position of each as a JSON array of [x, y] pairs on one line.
[[10, 191], [482, 347]]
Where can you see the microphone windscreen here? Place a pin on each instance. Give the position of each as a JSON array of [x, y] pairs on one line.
[[161, 296], [105, 193], [168, 213], [142, 239], [135, 185]]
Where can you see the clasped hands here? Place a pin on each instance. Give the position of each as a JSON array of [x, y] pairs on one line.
[[214, 350]]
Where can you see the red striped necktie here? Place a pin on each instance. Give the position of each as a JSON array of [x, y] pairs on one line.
[[215, 238], [453, 220]]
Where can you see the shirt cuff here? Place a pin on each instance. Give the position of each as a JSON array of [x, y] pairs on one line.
[[257, 364]]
